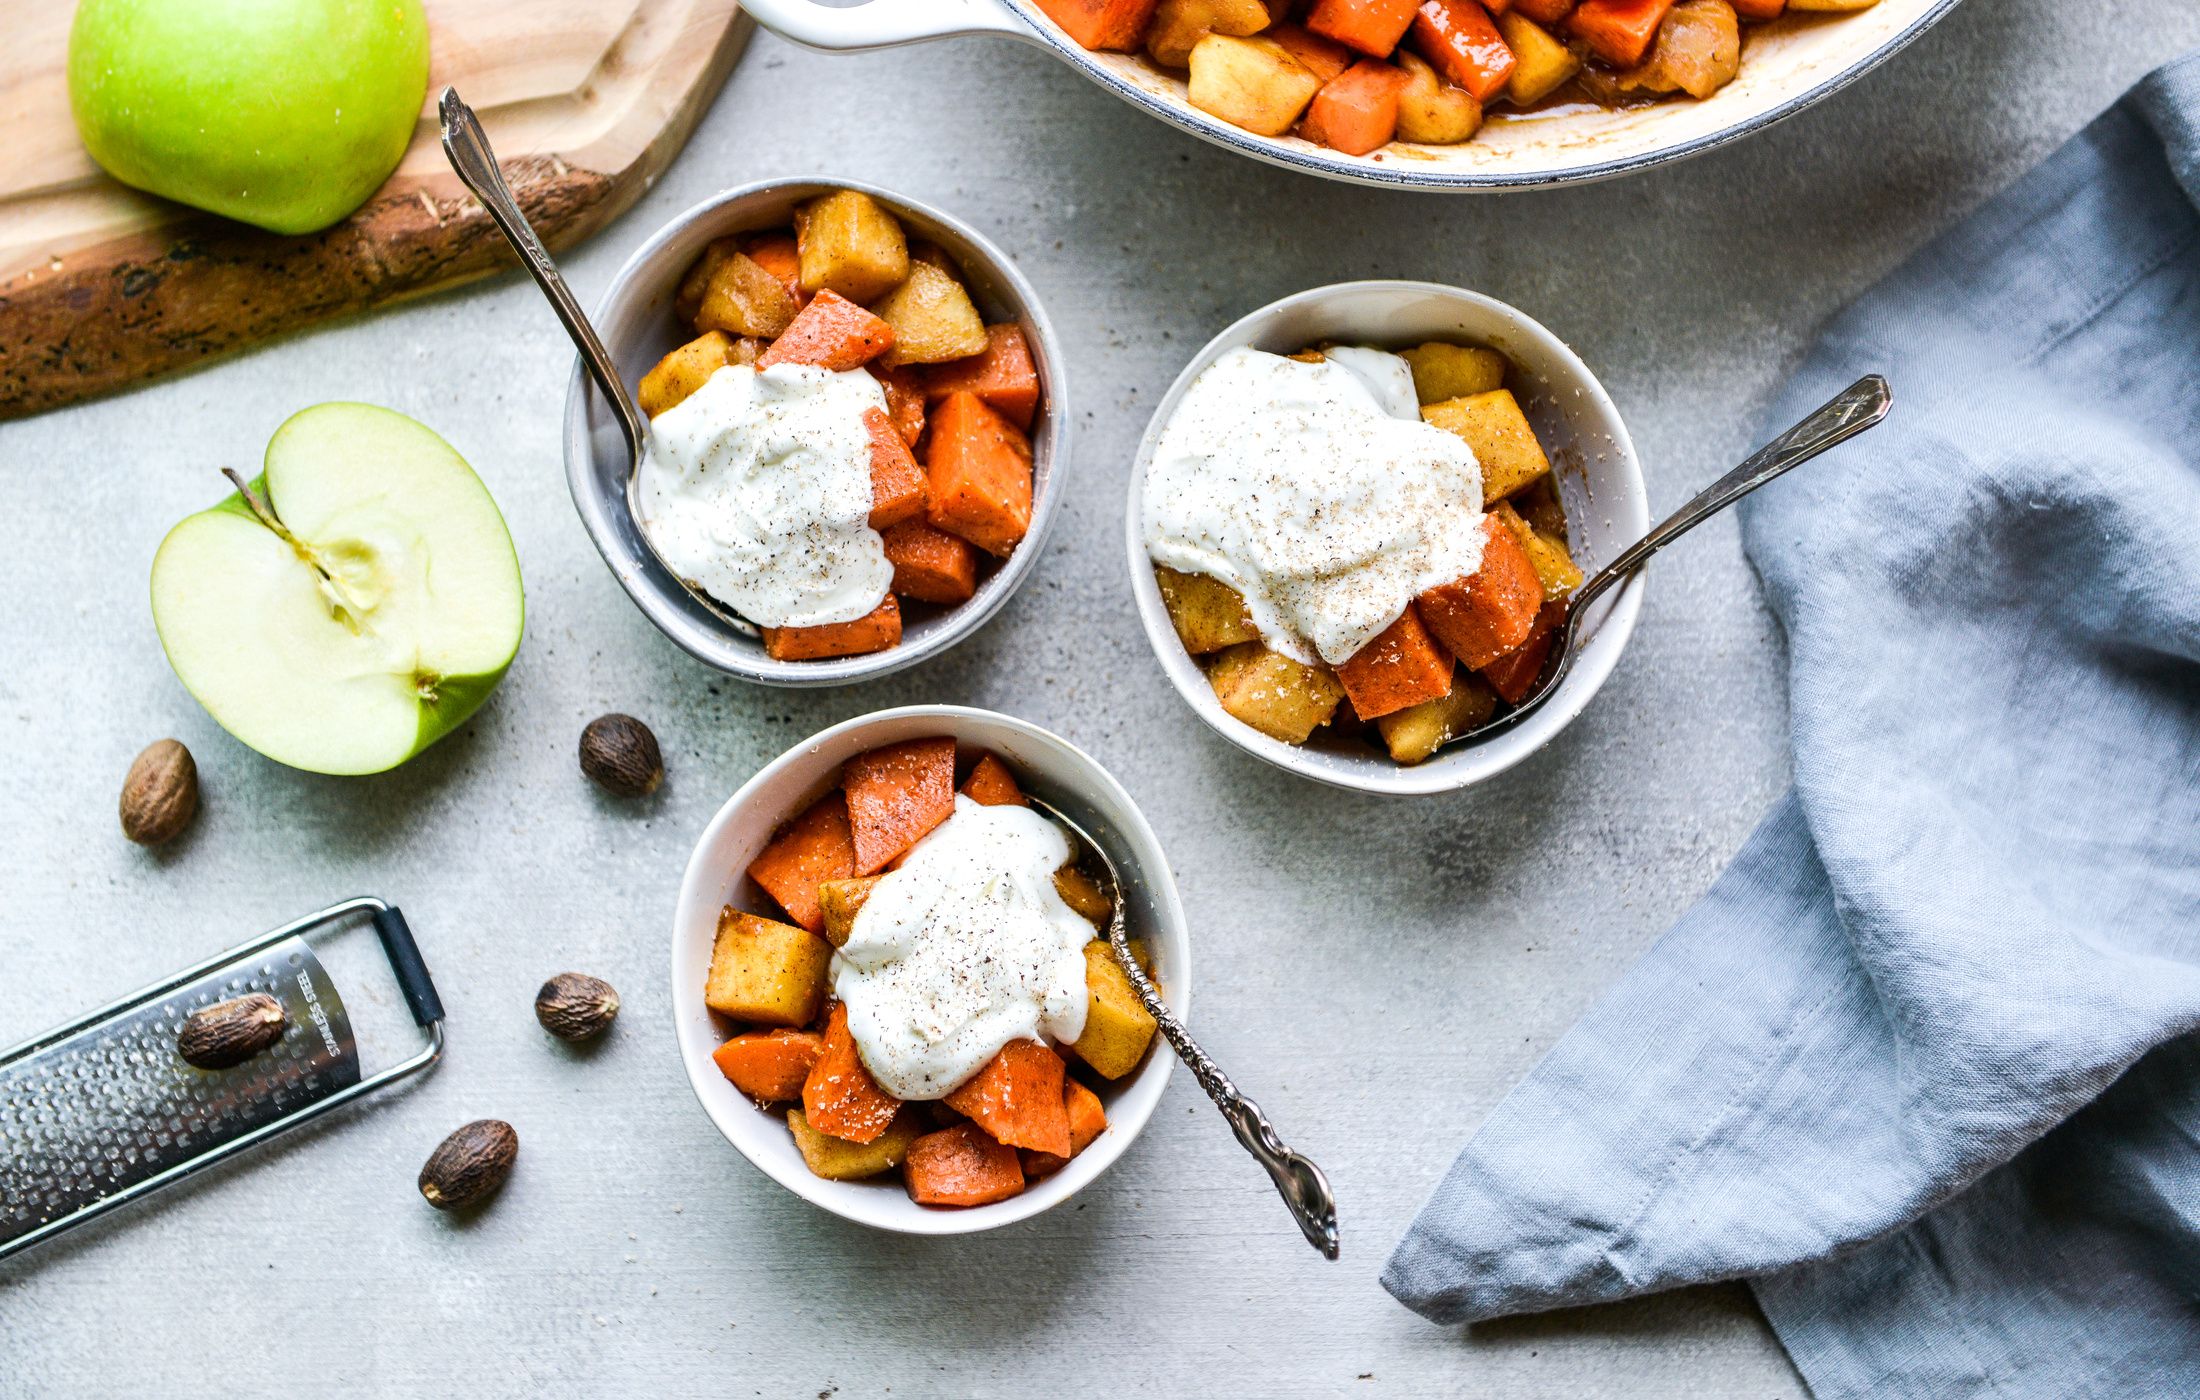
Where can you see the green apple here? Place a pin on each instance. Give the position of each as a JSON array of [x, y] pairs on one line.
[[283, 113], [350, 607]]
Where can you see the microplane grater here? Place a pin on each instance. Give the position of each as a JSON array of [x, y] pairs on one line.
[[103, 1110]]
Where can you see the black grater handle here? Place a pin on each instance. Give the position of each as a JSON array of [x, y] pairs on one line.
[[406, 962]]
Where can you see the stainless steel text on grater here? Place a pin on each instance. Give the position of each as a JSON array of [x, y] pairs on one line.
[[104, 1109]]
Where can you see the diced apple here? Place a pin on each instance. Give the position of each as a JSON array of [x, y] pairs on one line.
[[1280, 697], [1503, 442], [1207, 613], [1431, 111], [1250, 83]]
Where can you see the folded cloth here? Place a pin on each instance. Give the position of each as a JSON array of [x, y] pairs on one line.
[[1923, 1062]]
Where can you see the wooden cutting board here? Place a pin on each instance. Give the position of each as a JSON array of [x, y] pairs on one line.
[[101, 286]]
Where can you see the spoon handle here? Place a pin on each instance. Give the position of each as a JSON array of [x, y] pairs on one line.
[[1303, 1186], [1840, 418], [476, 164]]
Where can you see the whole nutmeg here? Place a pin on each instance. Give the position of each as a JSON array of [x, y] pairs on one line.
[[231, 1032], [575, 1006], [161, 794], [470, 1164], [620, 754]]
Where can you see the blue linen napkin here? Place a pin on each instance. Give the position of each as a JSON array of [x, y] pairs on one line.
[[1923, 1063]]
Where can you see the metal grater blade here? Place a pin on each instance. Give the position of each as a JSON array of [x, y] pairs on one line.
[[112, 1105]]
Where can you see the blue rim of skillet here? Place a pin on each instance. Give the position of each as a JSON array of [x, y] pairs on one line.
[[1403, 178]]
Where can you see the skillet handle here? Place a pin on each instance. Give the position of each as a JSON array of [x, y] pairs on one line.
[[881, 24]]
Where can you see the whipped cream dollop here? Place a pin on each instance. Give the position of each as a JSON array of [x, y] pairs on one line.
[[1315, 490], [757, 487], [961, 949]]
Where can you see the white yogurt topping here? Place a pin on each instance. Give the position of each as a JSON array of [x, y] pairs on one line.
[[1388, 377], [1289, 481], [758, 488], [962, 949]]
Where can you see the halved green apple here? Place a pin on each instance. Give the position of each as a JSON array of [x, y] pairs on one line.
[[350, 607]]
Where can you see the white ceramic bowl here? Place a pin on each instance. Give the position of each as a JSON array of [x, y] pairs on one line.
[[1591, 455], [636, 323], [1047, 766], [1786, 66]]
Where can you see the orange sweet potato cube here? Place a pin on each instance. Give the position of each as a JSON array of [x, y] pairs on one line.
[[769, 1066], [897, 482], [1515, 673], [991, 784], [1403, 666], [895, 795], [931, 565], [979, 471], [1017, 1097], [876, 630], [831, 331], [813, 848], [839, 1097], [961, 1166], [1088, 1119], [1324, 58], [1002, 375], [905, 391], [1102, 24], [1490, 611], [1371, 26]]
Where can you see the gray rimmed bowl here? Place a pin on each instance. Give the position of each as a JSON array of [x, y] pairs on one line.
[[636, 323]]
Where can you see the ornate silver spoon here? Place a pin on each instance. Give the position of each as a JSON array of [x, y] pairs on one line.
[[1297, 1179], [468, 149], [1840, 418]]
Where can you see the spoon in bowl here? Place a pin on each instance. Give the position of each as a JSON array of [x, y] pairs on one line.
[[1302, 1185], [1834, 422], [468, 149]]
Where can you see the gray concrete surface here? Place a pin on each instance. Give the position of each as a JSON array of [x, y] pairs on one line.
[[1378, 972]]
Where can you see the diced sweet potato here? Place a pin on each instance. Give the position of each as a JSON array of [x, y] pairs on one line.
[[1324, 58], [1413, 734], [1460, 38], [842, 900], [806, 852], [1002, 374], [1017, 1097], [1372, 26], [769, 1066], [1403, 666], [847, 243], [1282, 698], [932, 317], [744, 298], [1554, 566], [904, 400], [832, 332], [931, 565], [1544, 12], [1088, 1119], [1179, 24], [1443, 371], [1515, 673], [1758, 11], [1618, 31], [837, 1159], [897, 482], [1083, 894], [990, 784], [1430, 110], [1541, 61], [839, 1098], [1101, 24], [1207, 613], [961, 1166], [1489, 612], [766, 972], [1251, 83], [895, 795], [1118, 1028], [876, 630], [978, 467], [1356, 111], [777, 254], [682, 372], [1698, 51], [1493, 425]]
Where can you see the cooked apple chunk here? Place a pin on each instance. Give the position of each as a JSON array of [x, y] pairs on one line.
[[1432, 111], [1207, 613], [1118, 1028], [1493, 425], [744, 298], [1282, 698], [1251, 83], [682, 372], [1553, 564], [1445, 371], [766, 972], [1413, 734], [847, 243], [1178, 25], [933, 319]]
